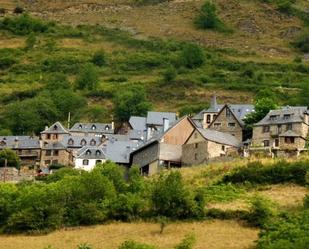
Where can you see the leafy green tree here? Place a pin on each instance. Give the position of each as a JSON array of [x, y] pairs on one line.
[[96, 113], [131, 102], [11, 157], [88, 78], [99, 58], [192, 56], [208, 18]]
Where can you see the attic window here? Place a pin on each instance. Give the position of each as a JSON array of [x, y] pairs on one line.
[[231, 124], [286, 116], [217, 125], [98, 153], [55, 127], [273, 117], [92, 142], [80, 127], [228, 112], [93, 127], [71, 141], [106, 127], [208, 119], [83, 142], [88, 152]]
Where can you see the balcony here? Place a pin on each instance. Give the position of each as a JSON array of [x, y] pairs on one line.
[[25, 154]]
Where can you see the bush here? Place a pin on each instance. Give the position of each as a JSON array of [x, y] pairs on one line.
[[11, 157], [130, 244], [7, 62], [18, 10], [261, 212], [169, 74], [99, 58], [88, 78], [192, 56], [281, 172], [302, 42], [187, 243]]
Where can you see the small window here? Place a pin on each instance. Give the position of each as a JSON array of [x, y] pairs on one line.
[[196, 145], [228, 112], [286, 116], [273, 117], [215, 116], [80, 127], [56, 152], [55, 127], [85, 162], [93, 127], [266, 143], [223, 147], [106, 127], [55, 162], [48, 153], [88, 152], [266, 128], [217, 125], [231, 124], [289, 127], [195, 156], [83, 142], [71, 141], [55, 136], [289, 140], [93, 142], [47, 162], [279, 128], [98, 161], [98, 153], [208, 119], [195, 135], [48, 136]]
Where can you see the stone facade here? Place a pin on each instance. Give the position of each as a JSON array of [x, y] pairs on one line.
[[56, 156], [228, 123]]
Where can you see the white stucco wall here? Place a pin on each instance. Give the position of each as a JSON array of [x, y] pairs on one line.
[[89, 167]]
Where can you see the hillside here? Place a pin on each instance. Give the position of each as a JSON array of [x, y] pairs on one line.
[[144, 45]]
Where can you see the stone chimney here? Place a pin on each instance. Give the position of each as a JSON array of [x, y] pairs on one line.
[[166, 124], [213, 102]]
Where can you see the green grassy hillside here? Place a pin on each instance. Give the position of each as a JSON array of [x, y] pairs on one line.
[[142, 45]]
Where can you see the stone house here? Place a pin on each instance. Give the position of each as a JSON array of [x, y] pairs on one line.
[[224, 118], [53, 151], [164, 150], [205, 145], [92, 129], [26, 147], [283, 131]]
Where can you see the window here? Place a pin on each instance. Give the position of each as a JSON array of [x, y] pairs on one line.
[[93, 127], [88, 152], [289, 140], [55, 127], [289, 127], [98, 161], [196, 145], [195, 156], [98, 153], [228, 112], [208, 119], [223, 147], [231, 124], [279, 128], [106, 127], [276, 142], [266, 143], [48, 153], [273, 117], [47, 162], [55, 136], [195, 135], [286, 116], [83, 142], [85, 162], [217, 125], [48, 136], [55, 162], [266, 128], [80, 127], [71, 141], [215, 116], [56, 152], [93, 142]]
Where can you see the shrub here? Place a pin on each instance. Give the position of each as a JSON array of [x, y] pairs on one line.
[[192, 56], [7, 62], [84, 246], [261, 212], [306, 202], [169, 74], [130, 244], [2, 11], [30, 41], [18, 10], [302, 42], [88, 78], [99, 58], [208, 18], [187, 243]]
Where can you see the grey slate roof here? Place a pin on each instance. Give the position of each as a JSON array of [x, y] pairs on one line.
[[277, 116], [219, 137], [289, 133], [72, 141], [138, 123], [19, 142], [89, 152], [56, 128], [156, 118], [93, 128], [119, 151], [53, 146]]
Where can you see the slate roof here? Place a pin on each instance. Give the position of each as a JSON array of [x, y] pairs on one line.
[[219, 137], [54, 146], [19, 142], [156, 118], [89, 152], [92, 128], [138, 123], [119, 151], [55, 128], [72, 141], [278, 116], [289, 133]]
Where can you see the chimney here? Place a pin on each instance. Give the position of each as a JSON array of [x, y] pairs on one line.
[[149, 133], [213, 102], [166, 124], [113, 125]]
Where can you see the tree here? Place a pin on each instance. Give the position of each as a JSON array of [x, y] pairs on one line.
[[169, 74], [11, 157], [96, 113], [192, 56], [207, 18], [58, 81], [88, 78], [99, 59], [131, 102]]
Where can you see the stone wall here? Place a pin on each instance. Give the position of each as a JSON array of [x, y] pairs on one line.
[[146, 155]]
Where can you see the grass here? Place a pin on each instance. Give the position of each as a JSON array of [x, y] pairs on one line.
[[215, 234]]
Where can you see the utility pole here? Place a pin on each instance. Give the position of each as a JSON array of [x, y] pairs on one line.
[[69, 120]]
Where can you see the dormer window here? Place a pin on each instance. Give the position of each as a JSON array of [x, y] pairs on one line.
[[273, 117], [71, 141], [286, 116], [80, 127], [93, 142], [228, 112], [83, 142], [88, 152], [98, 153], [208, 118], [93, 127], [55, 127], [106, 127]]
